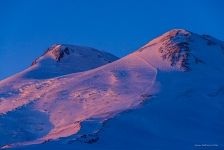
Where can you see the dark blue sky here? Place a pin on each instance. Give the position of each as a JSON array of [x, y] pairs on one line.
[[28, 27]]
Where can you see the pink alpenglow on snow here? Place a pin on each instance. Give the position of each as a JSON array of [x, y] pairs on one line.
[[70, 85]]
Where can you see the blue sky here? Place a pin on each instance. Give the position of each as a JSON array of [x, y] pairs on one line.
[[29, 27]]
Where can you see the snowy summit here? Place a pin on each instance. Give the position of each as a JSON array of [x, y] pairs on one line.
[[174, 85]]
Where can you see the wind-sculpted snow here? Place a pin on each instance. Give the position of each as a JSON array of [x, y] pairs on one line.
[[99, 93], [180, 70]]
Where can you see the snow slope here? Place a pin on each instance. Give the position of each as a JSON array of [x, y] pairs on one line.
[[180, 73]]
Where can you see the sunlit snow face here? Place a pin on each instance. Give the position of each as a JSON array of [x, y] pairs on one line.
[[65, 102]]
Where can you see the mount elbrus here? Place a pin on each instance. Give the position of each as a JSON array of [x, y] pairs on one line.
[[69, 92]]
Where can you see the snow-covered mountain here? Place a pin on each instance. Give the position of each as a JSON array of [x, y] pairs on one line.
[[175, 81], [62, 59]]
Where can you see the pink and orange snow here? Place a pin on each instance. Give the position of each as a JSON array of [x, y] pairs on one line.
[[71, 84]]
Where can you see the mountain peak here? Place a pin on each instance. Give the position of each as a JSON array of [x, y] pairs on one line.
[[170, 50], [176, 48], [174, 35], [61, 59], [180, 49], [176, 31], [58, 51]]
